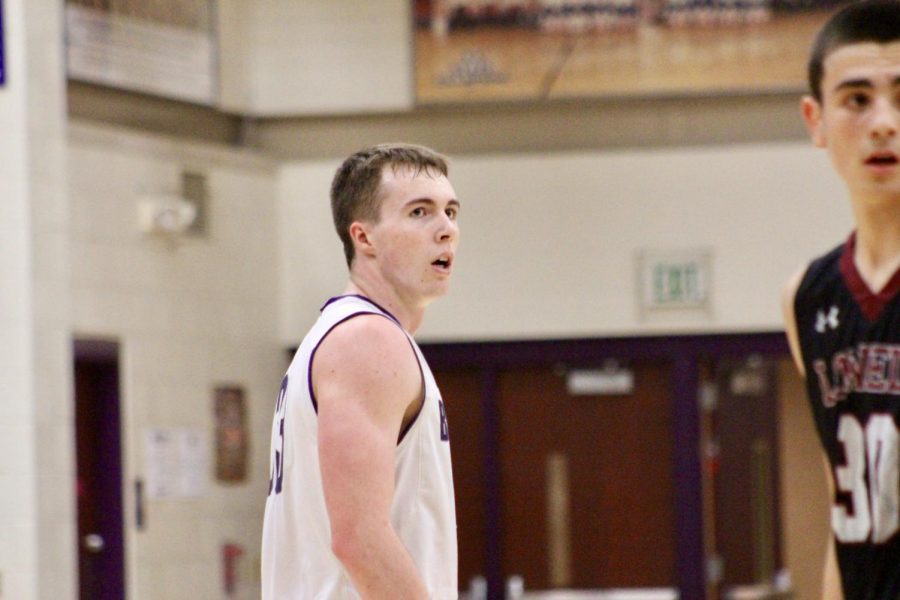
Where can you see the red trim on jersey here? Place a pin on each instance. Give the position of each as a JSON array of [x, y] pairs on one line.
[[870, 303]]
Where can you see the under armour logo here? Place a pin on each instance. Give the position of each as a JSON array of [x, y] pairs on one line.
[[825, 321]]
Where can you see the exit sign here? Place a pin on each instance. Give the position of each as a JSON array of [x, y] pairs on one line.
[[675, 279]]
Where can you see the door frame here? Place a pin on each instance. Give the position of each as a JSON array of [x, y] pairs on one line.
[[684, 352]]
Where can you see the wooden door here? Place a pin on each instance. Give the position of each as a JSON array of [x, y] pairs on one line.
[[746, 488], [614, 454]]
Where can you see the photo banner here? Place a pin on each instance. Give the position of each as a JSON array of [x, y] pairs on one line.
[[471, 51]]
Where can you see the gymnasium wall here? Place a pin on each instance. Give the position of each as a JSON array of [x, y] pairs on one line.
[[549, 242], [188, 316], [18, 471], [282, 57], [36, 467]]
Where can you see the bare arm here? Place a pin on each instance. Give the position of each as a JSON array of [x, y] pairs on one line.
[[366, 378], [790, 319], [831, 580]]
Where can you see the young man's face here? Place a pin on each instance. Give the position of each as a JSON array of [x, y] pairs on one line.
[[859, 115], [416, 237]]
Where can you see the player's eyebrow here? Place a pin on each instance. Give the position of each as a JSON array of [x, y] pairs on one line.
[[854, 83], [425, 200], [862, 83]]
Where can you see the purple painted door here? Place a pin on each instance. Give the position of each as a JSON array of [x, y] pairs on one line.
[[101, 565]]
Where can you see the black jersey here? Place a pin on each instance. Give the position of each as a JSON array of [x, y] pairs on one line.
[[850, 343]]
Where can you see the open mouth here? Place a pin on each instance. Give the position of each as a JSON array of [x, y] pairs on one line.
[[882, 159], [442, 263]]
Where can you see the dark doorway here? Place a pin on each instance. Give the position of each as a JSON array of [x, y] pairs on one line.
[[101, 564]]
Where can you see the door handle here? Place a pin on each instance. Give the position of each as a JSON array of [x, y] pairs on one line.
[[94, 543]]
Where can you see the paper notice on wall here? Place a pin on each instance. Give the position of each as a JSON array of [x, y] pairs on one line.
[[176, 462], [194, 457]]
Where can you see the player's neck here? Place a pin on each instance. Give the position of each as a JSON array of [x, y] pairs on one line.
[[877, 253], [385, 296]]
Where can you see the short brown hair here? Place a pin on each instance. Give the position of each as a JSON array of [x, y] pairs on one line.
[[354, 189], [866, 21]]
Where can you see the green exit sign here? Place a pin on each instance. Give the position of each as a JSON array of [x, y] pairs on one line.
[[675, 279], [678, 283]]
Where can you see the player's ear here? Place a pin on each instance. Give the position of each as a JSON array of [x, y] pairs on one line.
[[359, 233], [812, 116]]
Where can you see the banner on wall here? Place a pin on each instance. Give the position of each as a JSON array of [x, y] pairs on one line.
[[231, 433], [166, 49], [488, 51]]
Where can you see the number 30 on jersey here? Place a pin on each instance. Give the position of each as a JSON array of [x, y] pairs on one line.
[[874, 510]]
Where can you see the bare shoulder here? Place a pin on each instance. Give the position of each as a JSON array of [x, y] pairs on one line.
[[365, 339], [789, 291], [788, 296], [367, 358]]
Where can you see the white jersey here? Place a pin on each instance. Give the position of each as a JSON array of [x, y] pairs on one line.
[[297, 561]]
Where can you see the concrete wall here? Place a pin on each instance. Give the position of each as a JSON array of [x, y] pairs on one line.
[[36, 464], [282, 57], [189, 315], [549, 243]]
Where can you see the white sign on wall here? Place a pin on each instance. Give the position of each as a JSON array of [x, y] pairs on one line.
[[675, 279], [176, 462]]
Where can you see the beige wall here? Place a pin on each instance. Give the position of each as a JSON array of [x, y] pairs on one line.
[[207, 311], [549, 242], [283, 57], [557, 201], [188, 316], [18, 472], [36, 468]]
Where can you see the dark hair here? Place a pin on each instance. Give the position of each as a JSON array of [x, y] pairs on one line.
[[865, 21], [355, 187]]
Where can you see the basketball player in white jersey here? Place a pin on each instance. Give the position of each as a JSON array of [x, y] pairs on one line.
[[360, 500]]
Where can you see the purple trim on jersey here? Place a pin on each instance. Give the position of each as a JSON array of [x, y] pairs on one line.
[[366, 299], [312, 354], [870, 303], [424, 394]]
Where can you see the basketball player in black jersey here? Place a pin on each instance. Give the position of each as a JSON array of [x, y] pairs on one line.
[[842, 311]]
